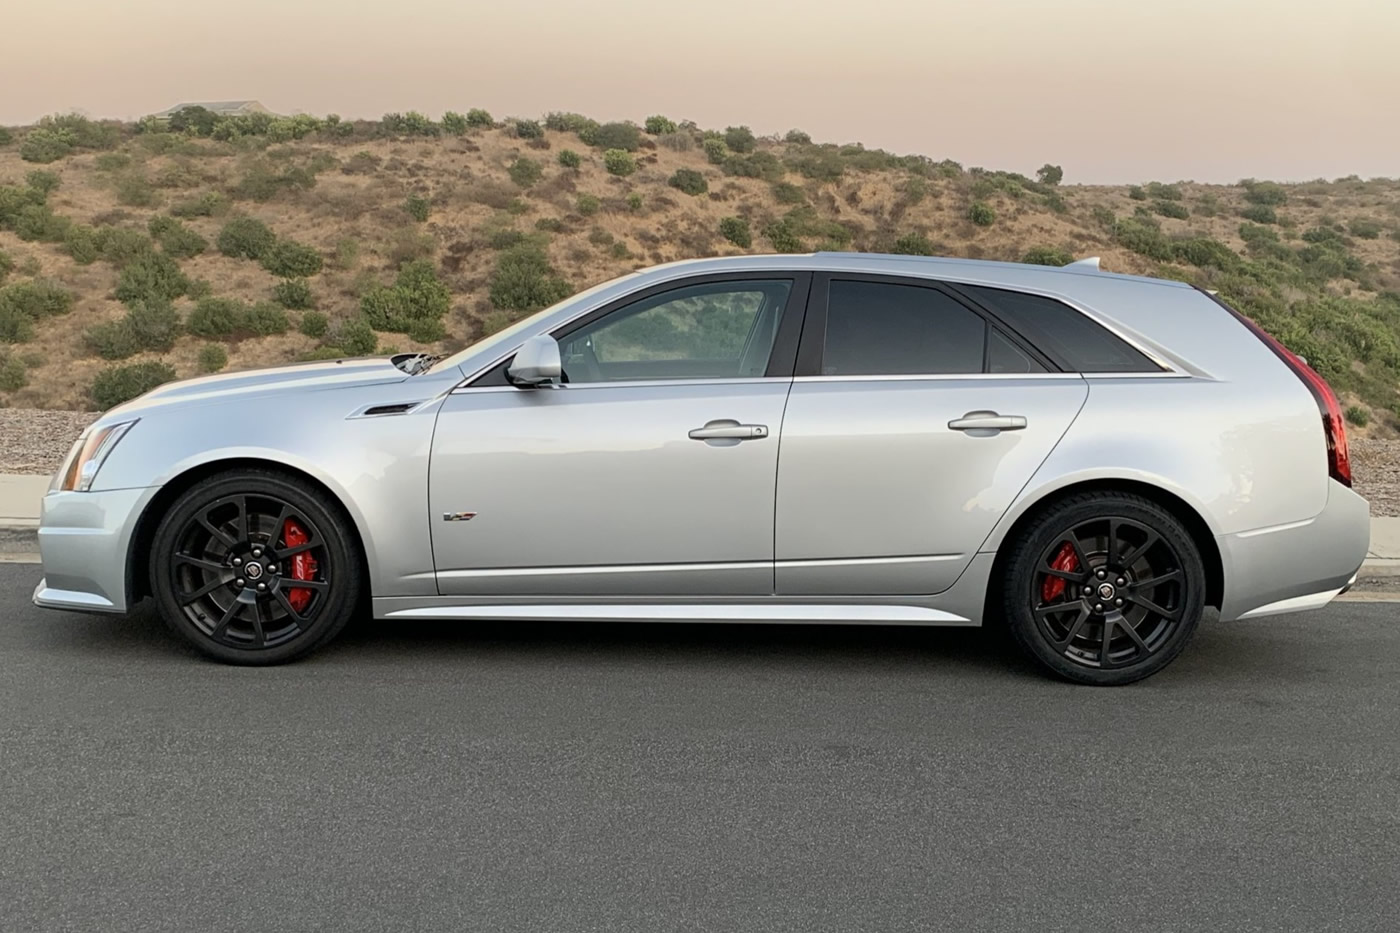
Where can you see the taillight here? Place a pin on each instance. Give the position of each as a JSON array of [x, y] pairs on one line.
[[1333, 424]]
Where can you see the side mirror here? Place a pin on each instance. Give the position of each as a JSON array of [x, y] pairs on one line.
[[536, 362]]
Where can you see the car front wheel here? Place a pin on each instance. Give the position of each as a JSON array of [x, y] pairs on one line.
[[255, 567], [1104, 588]]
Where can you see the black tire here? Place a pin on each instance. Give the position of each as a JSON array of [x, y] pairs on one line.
[[1103, 563], [227, 581]]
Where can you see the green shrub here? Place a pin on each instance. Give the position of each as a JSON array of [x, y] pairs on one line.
[[820, 163], [1206, 253], [289, 259], [12, 374], [1358, 416], [798, 137], [782, 237], [6, 137], [1047, 256], [294, 294], [1174, 209], [134, 190], [152, 325], [347, 253], [1163, 192], [587, 205], [314, 324], [715, 151], [624, 136], [659, 126], [264, 319], [525, 172], [416, 207], [619, 162], [37, 222], [1136, 193], [151, 277], [478, 118], [246, 238], [1260, 214], [739, 138], [43, 181], [454, 123], [549, 225], [216, 318], [23, 303], [425, 330], [118, 384], [1143, 238], [43, 146], [568, 122], [355, 337], [528, 129], [524, 280], [417, 295], [689, 181], [122, 246], [175, 238], [634, 201], [212, 358], [209, 204], [914, 244], [412, 123], [788, 193], [1050, 174], [569, 159], [763, 165], [1364, 228], [981, 214], [505, 239], [736, 230], [7, 265], [1264, 192]]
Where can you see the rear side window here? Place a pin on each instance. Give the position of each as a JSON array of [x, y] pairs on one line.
[[1069, 338], [881, 329]]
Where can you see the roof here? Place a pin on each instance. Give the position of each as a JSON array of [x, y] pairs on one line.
[[217, 106]]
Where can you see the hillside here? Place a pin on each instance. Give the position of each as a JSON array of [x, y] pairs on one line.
[[206, 244]]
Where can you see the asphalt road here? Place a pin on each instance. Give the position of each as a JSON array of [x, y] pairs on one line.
[[708, 778]]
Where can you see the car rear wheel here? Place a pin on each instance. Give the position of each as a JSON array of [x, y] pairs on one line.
[[254, 567], [1104, 588]]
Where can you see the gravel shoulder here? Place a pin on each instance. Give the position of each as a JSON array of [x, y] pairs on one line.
[[34, 440]]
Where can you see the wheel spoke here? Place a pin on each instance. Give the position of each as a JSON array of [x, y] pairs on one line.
[[295, 616], [223, 622], [1167, 577], [1072, 575], [1129, 558], [1104, 659], [1113, 527], [217, 532], [191, 596], [211, 565], [1150, 606], [1132, 633], [244, 525], [258, 637], [1060, 644], [319, 586], [286, 552]]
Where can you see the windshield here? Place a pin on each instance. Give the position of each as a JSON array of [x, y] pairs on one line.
[[508, 335]]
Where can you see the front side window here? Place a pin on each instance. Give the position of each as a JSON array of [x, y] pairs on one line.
[[883, 329], [717, 330]]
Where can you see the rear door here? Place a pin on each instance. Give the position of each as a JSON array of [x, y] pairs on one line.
[[914, 420]]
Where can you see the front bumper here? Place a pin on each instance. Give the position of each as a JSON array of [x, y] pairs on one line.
[[1298, 566], [84, 542]]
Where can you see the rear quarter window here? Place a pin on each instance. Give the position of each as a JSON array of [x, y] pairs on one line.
[[1072, 340]]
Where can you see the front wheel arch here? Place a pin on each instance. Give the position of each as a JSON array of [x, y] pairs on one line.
[[138, 562], [1196, 526]]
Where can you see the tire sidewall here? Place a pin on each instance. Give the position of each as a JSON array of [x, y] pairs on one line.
[[340, 599], [1043, 532]]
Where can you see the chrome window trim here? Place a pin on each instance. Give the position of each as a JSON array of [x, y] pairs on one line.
[[638, 383], [940, 377]]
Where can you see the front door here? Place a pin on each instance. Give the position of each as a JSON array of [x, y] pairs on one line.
[[918, 423], [649, 472]]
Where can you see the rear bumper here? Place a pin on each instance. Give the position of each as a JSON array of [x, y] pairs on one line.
[[1297, 566], [84, 540]]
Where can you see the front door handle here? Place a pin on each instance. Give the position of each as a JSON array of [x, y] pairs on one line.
[[728, 430], [987, 421]]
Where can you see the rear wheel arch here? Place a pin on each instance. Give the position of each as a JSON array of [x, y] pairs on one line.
[[138, 576], [1196, 526]]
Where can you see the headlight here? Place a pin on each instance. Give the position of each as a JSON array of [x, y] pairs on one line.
[[88, 454]]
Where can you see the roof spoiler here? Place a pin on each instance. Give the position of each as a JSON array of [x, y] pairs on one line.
[[1091, 263]]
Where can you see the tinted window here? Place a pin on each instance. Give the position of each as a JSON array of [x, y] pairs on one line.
[[878, 329], [1003, 356], [1069, 338], [710, 331]]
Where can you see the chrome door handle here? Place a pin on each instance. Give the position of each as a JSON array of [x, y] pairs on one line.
[[987, 421], [728, 430]]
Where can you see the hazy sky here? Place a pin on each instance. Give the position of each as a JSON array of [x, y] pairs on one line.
[[1114, 90]]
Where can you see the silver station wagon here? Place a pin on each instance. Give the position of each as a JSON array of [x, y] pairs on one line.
[[1089, 459]]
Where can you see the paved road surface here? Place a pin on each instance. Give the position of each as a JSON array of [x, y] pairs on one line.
[[707, 778]]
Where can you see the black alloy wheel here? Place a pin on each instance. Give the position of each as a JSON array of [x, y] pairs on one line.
[[254, 568], [1105, 589]]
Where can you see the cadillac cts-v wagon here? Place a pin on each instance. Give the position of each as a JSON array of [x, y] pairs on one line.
[[1090, 459]]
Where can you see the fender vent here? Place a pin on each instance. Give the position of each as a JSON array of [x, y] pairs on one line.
[[375, 411]]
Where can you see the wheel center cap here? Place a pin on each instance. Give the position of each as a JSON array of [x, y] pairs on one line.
[[253, 571], [1106, 591]]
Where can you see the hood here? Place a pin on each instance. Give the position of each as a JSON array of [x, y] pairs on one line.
[[296, 377]]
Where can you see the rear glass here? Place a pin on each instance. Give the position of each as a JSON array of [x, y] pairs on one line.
[[1068, 337]]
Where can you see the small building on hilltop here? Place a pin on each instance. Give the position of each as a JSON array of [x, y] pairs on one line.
[[221, 108]]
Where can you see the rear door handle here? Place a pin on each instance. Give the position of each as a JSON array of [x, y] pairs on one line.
[[728, 430], [987, 421]]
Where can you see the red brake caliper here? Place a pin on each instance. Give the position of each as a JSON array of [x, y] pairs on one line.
[[1054, 587], [303, 564]]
